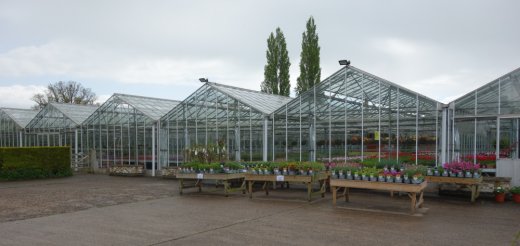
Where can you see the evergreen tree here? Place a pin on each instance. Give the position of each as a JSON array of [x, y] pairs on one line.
[[310, 70], [276, 71]]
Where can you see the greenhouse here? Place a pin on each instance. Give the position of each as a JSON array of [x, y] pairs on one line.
[[484, 126], [125, 129], [12, 126], [234, 118], [355, 115], [59, 124]]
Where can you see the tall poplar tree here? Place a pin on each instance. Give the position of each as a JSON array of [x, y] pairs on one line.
[[276, 71], [310, 70]]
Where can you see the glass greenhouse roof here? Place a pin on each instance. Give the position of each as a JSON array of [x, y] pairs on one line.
[[21, 117], [120, 108], [61, 115], [356, 87], [263, 102], [213, 100], [500, 96]]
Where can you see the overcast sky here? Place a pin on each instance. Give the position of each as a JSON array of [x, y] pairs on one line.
[[442, 49]]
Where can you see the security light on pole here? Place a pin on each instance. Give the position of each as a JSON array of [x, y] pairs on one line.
[[344, 62]]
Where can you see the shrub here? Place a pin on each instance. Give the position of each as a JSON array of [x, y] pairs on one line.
[[34, 163]]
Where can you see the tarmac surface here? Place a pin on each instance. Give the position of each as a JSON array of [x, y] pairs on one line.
[[105, 210]]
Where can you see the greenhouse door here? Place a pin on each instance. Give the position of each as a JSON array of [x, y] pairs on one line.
[[508, 161]]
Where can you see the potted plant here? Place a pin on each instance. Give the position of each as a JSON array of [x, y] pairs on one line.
[[500, 194], [515, 191], [398, 177], [418, 178]]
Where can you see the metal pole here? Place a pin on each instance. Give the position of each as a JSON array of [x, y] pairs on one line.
[[497, 147], [265, 136], [330, 125], [177, 142], [379, 121], [363, 117], [346, 106], [397, 128], [444, 133], [416, 128], [300, 138], [475, 131], [227, 126], [250, 137], [76, 148], [286, 137], [153, 150], [437, 135], [273, 150]]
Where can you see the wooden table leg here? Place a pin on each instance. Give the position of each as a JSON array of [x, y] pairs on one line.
[[181, 186], [347, 194], [250, 189], [199, 184], [334, 193], [266, 188], [243, 186], [413, 197], [478, 191], [323, 188], [421, 200], [309, 191], [474, 190], [226, 188]]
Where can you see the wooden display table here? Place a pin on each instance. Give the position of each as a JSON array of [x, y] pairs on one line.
[[472, 183], [225, 178], [308, 180], [412, 189]]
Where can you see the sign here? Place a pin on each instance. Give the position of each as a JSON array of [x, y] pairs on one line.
[[280, 178], [200, 176], [376, 135]]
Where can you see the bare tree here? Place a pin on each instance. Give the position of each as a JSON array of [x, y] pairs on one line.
[[64, 92]]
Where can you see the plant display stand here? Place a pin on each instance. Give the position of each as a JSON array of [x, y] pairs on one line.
[[225, 178], [126, 170], [415, 191], [320, 178], [472, 183]]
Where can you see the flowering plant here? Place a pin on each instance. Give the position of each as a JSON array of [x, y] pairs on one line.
[[499, 190], [461, 166], [418, 176]]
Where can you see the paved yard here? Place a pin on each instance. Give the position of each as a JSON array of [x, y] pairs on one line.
[[104, 210]]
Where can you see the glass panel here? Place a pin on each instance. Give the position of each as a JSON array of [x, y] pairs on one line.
[[487, 99], [509, 132], [486, 142], [465, 106], [510, 94], [464, 139], [407, 126]]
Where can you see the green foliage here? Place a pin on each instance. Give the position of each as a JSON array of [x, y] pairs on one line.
[[310, 70], [389, 163], [276, 71], [413, 170], [515, 190], [34, 162], [294, 166], [206, 154], [346, 169], [217, 167]]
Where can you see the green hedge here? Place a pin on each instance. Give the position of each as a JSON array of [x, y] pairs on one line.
[[34, 163]]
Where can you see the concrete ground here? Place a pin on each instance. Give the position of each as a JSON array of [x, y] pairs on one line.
[[104, 210]]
